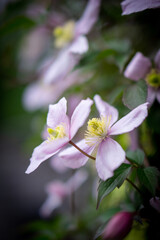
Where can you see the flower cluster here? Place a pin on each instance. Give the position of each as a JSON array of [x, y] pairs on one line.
[[61, 131]]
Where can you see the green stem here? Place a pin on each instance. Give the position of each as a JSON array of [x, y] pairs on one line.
[[138, 190], [89, 156]]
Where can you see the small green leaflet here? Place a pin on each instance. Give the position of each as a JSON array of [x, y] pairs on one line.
[[105, 187], [135, 94], [149, 178], [136, 157]]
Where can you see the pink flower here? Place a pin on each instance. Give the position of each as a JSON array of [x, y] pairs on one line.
[[119, 226], [131, 6], [61, 130], [110, 154], [70, 55], [140, 67], [57, 191]]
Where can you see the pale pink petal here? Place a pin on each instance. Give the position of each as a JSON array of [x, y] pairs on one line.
[[58, 165], [158, 95], [151, 95], [61, 66], [44, 151], [80, 115], [138, 67], [79, 46], [76, 180], [56, 188], [88, 19], [73, 101], [39, 95], [73, 158], [110, 156], [130, 121], [131, 6], [57, 114], [51, 203], [157, 60], [105, 109]]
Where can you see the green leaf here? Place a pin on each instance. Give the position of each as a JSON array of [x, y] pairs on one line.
[[136, 157], [135, 94], [110, 184], [149, 178]]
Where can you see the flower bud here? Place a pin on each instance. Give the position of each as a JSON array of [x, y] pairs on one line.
[[119, 226]]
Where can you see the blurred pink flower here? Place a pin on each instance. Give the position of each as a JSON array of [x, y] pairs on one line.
[[110, 154], [132, 6], [70, 55], [39, 95], [140, 67], [61, 130], [57, 191], [118, 226]]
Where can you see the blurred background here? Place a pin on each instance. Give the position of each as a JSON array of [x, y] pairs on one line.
[[27, 45]]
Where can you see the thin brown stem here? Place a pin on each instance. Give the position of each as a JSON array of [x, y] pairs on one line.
[[89, 156], [138, 190]]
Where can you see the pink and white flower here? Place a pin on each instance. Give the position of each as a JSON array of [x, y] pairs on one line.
[[132, 6], [110, 154], [57, 191], [61, 130], [77, 45], [140, 67]]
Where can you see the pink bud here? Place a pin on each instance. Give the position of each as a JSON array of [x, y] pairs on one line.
[[119, 226]]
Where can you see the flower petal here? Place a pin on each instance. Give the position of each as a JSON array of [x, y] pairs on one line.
[[157, 60], [44, 151], [131, 6], [80, 115], [73, 158], [76, 180], [158, 95], [88, 19], [58, 165], [138, 67], [79, 46], [57, 114], [130, 121], [51, 203], [105, 109], [151, 95], [55, 72], [110, 156]]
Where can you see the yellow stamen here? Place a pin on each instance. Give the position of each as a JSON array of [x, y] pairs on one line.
[[153, 78], [58, 132], [97, 130], [64, 34]]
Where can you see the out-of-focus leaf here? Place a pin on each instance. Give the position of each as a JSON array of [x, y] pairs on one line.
[[110, 184], [15, 24], [149, 178], [136, 157], [135, 94]]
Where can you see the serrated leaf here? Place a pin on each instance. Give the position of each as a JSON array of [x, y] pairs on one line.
[[110, 184], [136, 157], [149, 178], [135, 94]]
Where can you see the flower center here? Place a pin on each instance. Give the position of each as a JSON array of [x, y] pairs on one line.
[[58, 132], [97, 130], [153, 79], [64, 34]]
